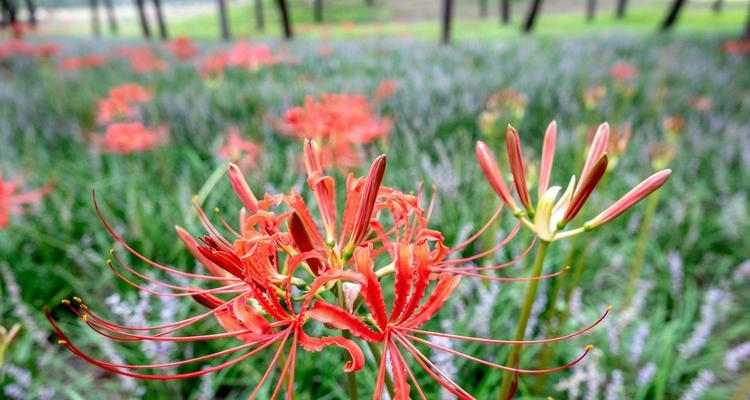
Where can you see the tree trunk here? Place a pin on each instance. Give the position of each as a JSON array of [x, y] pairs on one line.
[[32, 12], [370, 2], [111, 17], [447, 20], [9, 12], [620, 10], [590, 10], [285, 20], [223, 23], [717, 6], [505, 11], [528, 26], [318, 11], [145, 29], [260, 22], [160, 20], [672, 15], [95, 27], [482, 8]]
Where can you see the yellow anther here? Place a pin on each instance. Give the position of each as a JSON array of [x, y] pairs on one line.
[[567, 268], [65, 301], [78, 299], [588, 347], [112, 252], [610, 308], [217, 210], [85, 318], [85, 307], [62, 341]]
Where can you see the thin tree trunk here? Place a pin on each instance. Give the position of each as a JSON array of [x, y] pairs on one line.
[[32, 12], [482, 8], [447, 20], [160, 20], [260, 22], [285, 20], [672, 15], [590, 10], [223, 23], [505, 11], [370, 2], [145, 29], [620, 9], [9, 12], [528, 26], [111, 17], [318, 10], [718, 6], [95, 26]]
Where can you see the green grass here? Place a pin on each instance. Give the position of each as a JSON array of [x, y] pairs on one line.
[[59, 249]]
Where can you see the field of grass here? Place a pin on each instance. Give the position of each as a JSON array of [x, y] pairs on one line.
[[353, 19], [681, 336]]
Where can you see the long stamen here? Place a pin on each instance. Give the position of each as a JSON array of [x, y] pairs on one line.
[[502, 243], [500, 278], [479, 232], [522, 342], [518, 258]]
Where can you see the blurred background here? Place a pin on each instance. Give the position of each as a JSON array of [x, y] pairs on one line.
[[204, 79]]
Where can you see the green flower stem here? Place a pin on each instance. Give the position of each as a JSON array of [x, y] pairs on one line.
[[640, 250], [528, 301], [376, 355]]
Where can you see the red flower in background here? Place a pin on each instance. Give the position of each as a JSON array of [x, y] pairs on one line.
[[142, 59], [12, 202], [83, 62], [623, 71], [736, 47], [182, 48], [19, 47], [253, 269], [338, 123], [129, 137], [387, 88], [238, 150], [122, 103], [242, 55]]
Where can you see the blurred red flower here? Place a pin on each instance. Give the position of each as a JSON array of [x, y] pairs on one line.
[[129, 137]]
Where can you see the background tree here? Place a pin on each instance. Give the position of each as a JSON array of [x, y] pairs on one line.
[[31, 6], [672, 15], [318, 11], [160, 20], [620, 9], [505, 11], [717, 6], [285, 20], [447, 20], [260, 21], [590, 10], [145, 29], [95, 28], [482, 8], [111, 17], [223, 22], [528, 25]]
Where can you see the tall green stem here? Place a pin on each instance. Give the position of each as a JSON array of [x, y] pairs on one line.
[[640, 250], [528, 302]]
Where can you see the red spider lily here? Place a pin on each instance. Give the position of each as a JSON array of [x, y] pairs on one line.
[[142, 59], [623, 71], [129, 137], [84, 62], [12, 202], [18, 47], [238, 150], [121, 103], [736, 46], [182, 48], [242, 55], [552, 214], [700, 103], [386, 89], [338, 123], [278, 272]]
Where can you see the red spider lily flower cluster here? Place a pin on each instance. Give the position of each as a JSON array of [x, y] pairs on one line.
[[553, 212], [12, 202], [83, 62], [623, 71], [237, 150], [736, 46], [242, 55], [386, 89], [338, 123], [122, 103], [18, 47], [142, 59], [129, 137], [279, 272], [182, 48]]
